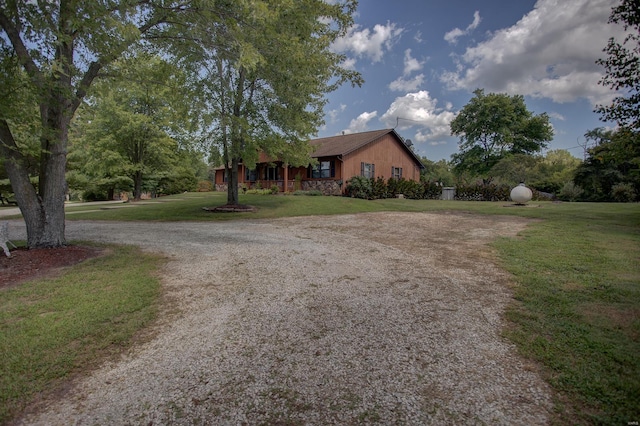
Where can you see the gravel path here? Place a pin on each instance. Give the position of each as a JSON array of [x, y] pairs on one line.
[[391, 318]]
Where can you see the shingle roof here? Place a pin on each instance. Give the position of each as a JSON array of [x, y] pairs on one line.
[[345, 144]]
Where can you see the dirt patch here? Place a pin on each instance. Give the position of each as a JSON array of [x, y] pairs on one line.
[[390, 318], [25, 264]]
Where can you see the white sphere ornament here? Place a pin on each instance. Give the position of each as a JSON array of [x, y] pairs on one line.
[[521, 194]]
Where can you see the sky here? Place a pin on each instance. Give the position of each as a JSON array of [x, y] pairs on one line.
[[422, 59]]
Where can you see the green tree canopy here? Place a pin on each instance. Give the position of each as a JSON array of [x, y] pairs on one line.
[[622, 68], [62, 47], [493, 126], [264, 76], [554, 171], [437, 171], [128, 130], [611, 171], [546, 173]]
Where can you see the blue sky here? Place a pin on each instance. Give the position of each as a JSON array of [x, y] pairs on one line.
[[422, 59]]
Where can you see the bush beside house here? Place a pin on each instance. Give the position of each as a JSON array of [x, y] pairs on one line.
[[372, 189]]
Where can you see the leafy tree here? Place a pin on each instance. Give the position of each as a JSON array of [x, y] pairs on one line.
[[553, 171], [513, 169], [548, 173], [622, 68], [132, 119], [613, 166], [493, 126], [437, 171], [19, 107], [62, 47], [264, 76]]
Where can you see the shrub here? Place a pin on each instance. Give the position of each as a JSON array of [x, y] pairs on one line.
[[274, 189], [431, 191], [542, 196], [95, 194], [623, 192], [204, 186], [379, 189], [359, 187], [176, 184], [259, 191], [483, 192], [570, 192]]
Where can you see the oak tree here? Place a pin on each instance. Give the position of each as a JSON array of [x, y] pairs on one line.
[[494, 125]]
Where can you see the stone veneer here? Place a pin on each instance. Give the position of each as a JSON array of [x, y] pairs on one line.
[[327, 187]]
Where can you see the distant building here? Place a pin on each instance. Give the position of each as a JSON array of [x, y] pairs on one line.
[[379, 153]]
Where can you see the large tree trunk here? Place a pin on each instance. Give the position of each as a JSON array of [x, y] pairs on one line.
[[43, 212], [236, 142], [137, 186], [232, 184], [60, 96]]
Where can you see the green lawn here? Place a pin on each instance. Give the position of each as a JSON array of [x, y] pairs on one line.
[[577, 285], [51, 329]]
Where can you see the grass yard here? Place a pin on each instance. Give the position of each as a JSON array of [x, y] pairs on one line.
[[576, 309], [51, 329]]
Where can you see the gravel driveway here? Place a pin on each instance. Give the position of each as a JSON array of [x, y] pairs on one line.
[[391, 318]]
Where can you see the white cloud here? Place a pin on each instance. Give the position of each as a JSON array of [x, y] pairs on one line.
[[549, 53], [420, 110], [333, 114], [557, 116], [349, 64], [452, 36], [407, 85], [418, 36], [360, 124], [368, 43], [476, 21], [411, 64]]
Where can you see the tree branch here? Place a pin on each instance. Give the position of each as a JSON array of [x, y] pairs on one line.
[[96, 66], [21, 50]]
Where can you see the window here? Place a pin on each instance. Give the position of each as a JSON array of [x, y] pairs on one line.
[[324, 169], [271, 173], [250, 175], [396, 172], [368, 170]]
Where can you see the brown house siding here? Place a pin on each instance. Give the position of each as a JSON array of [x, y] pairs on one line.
[[384, 153]]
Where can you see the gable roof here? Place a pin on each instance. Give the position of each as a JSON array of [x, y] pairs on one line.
[[346, 144]]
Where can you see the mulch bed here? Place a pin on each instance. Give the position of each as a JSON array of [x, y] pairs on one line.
[[25, 264]]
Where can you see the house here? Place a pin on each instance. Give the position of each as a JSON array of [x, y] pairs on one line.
[[379, 153]]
